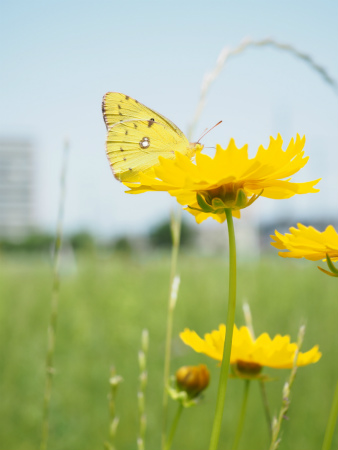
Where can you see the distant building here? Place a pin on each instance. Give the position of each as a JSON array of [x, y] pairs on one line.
[[16, 187]]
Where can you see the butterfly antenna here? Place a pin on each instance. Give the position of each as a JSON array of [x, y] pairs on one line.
[[207, 131]]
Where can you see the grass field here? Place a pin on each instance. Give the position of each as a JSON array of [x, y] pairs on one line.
[[104, 305]]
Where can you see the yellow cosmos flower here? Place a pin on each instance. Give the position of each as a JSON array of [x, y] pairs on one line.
[[230, 180], [247, 354], [309, 243]]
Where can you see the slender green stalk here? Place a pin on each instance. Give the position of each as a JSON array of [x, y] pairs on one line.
[[248, 319], [174, 284], [331, 424], [114, 382], [174, 427], [242, 415], [142, 357], [249, 324], [223, 380], [277, 423], [266, 406], [54, 306]]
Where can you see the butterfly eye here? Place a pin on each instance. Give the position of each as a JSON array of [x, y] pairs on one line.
[[144, 142]]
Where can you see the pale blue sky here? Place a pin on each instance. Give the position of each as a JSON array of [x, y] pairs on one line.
[[58, 58]]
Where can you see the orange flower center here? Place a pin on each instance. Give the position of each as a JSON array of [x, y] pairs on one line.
[[248, 368]]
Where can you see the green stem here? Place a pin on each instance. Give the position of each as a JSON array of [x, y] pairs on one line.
[[249, 324], [242, 415], [142, 357], [277, 422], [266, 406], [173, 427], [175, 231], [114, 382], [54, 308], [332, 422], [223, 380]]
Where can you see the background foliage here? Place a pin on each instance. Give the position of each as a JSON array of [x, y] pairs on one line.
[[101, 317]]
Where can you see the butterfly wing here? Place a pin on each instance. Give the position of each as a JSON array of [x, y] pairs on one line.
[[137, 136], [117, 107], [134, 146]]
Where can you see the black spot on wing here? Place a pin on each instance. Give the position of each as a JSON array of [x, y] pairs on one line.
[[126, 132], [127, 97], [151, 122], [121, 149]]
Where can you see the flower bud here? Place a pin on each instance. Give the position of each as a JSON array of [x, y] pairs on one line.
[[193, 379]]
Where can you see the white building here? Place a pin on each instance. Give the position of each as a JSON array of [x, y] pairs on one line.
[[16, 187]]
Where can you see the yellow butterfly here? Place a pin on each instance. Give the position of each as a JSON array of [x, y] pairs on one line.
[[137, 136]]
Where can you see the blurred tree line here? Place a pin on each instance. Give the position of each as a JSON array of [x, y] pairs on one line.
[[159, 237], [39, 241]]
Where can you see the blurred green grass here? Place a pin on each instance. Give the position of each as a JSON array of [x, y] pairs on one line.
[[105, 304]]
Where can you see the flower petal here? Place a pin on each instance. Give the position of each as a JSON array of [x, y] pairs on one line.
[[230, 172], [278, 353]]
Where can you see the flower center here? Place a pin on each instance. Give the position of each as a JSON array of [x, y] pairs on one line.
[[226, 196], [248, 368]]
